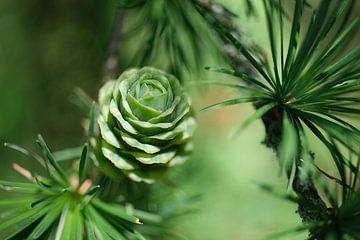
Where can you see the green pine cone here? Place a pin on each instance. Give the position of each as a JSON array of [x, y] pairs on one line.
[[146, 124]]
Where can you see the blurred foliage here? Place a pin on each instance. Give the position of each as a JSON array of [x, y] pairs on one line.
[[49, 47], [167, 34], [172, 35]]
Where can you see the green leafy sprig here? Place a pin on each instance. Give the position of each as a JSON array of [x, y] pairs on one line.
[[62, 205], [325, 98], [312, 83]]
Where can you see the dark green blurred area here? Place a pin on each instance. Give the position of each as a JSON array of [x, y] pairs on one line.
[[47, 48]]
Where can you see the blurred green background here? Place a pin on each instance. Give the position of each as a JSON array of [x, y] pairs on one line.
[[47, 48]]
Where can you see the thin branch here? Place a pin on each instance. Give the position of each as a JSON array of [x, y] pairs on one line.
[[111, 65]]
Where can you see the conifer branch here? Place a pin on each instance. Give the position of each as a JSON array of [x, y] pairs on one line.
[[272, 120]]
